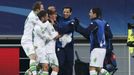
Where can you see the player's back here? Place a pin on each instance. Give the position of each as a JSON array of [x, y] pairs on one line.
[[28, 28], [101, 32]]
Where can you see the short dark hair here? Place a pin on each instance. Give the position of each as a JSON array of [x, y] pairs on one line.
[[37, 5], [68, 8], [42, 14], [97, 11]]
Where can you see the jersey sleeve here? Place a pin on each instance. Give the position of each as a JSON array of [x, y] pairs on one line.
[[42, 32], [53, 34], [108, 31]]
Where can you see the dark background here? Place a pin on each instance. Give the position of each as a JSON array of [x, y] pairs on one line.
[[117, 12]]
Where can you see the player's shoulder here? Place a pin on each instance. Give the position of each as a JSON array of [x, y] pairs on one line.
[[99, 21], [32, 15], [46, 23], [93, 22], [49, 24], [37, 27]]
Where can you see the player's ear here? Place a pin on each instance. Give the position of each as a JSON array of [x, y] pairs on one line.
[[70, 13]]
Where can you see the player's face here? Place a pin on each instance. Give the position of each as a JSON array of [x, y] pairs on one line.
[[91, 14], [67, 13], [45, 18], [54, 16]]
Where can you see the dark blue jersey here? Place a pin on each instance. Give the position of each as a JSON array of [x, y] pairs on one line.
[[65, 26], [97, 35]]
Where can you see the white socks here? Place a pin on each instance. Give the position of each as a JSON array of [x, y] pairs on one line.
[[93, 72], [44, 73], [33, 67], [104, 72], [54, 73]]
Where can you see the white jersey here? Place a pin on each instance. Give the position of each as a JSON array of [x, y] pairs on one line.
[[45, 43], [27, 38], [44, 37]]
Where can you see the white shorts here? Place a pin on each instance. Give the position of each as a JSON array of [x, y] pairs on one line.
[[97, 57], [44, 57], [29, 49], [51, 59]]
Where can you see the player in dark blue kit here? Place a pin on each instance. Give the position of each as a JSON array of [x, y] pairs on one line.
[[65, 53], [98, 33]]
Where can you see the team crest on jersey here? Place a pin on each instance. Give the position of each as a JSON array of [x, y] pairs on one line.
[[43, 30]]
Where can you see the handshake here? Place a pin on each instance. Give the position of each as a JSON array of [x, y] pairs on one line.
[[75, 22]]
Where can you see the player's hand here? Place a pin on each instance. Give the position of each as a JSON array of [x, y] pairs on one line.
[[76, 23], [33, 56], [58, 36]]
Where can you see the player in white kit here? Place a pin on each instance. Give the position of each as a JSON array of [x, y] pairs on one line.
[[44, 41], [27, 38]]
